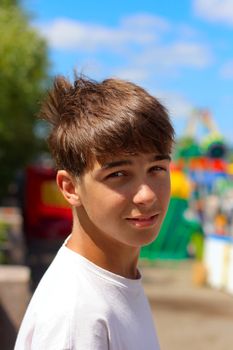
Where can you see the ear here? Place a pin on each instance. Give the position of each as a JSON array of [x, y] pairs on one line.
[[68, 187]]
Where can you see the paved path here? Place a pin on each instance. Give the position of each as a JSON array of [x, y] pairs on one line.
[[188, 317]]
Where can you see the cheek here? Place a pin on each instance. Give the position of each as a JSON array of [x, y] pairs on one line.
[[104, 203], [164, 192]]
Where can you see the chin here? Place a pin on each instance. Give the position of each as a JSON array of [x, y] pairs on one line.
[[146, 240], [152, 238]]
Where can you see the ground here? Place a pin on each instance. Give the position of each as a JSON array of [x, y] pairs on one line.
[[187, 316]]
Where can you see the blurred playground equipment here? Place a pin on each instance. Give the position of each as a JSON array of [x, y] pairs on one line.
[[199, 221], [177, 230], [193, 170]]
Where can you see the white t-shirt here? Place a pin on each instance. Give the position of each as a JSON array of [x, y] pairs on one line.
[[80, 306]]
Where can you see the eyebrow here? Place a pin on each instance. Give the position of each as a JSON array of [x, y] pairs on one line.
[[129, 162]]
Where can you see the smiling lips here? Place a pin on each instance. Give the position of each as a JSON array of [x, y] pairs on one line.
[[143, 221]]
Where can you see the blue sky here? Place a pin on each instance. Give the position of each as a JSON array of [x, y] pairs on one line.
[[180, 51]]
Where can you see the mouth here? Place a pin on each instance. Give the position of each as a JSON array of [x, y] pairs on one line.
[[143, 221]]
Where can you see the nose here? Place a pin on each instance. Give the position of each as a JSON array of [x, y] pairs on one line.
[[145, 195]]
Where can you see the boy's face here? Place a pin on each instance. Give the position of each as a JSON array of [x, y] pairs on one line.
[[125, 200]]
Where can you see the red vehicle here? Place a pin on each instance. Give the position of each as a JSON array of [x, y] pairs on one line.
[[47, 218]]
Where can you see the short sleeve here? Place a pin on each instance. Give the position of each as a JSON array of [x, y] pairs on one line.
[[40, 333], [62, 334], [90, 334]]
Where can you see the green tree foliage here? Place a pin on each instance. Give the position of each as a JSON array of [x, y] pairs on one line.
[[9, 3], [23, 79]]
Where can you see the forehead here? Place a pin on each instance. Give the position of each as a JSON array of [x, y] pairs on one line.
[[130, 159]]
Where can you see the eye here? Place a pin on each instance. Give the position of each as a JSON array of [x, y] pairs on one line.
[[157, 168], [116, 174]]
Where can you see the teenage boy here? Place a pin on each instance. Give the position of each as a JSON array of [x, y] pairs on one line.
[[111, 142]]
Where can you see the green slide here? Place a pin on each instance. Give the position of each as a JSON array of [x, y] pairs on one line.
[[175, 234]]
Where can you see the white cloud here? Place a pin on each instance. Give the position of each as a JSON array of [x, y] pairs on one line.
[[177, 104], [136, 74], [63, 33], [179, 107], [178, 54], [146, 21], [140, 39], [215, 10], [227, 70], [188, 32]]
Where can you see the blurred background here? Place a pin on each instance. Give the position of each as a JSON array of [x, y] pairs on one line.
[[182, 53]]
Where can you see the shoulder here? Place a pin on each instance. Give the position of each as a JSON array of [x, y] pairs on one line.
[[65, 320], [69, 326]]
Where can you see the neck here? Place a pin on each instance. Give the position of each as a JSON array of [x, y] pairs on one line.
[[111, 256]]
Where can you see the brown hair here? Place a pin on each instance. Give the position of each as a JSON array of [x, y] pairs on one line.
[[92, 120]]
